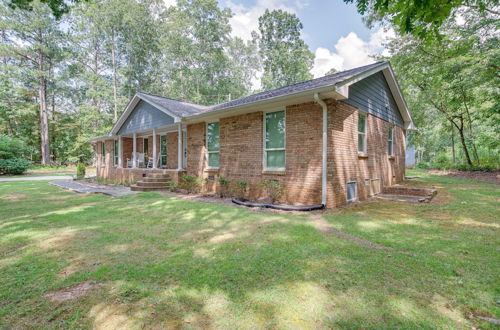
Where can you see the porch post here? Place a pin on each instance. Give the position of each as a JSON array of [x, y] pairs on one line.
[[120, 156], [134, 148], [179, 147], [155, 157]]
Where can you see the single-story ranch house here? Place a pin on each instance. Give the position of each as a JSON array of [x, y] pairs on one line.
[[330, 140]]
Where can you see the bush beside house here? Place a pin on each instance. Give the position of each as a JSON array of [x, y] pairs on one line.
[[13, 156]]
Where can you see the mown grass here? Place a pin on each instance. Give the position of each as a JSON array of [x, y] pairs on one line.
[[170, 263]]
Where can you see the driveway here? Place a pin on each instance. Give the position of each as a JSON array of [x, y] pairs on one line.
[[38, 178]]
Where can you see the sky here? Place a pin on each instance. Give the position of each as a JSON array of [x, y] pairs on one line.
[[333, 30]]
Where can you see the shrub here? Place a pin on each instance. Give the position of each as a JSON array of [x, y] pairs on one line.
[[80, 171], [240, 189], [224, 185], [12, 156], [423, 165], [273, 188], [14, 165], [191, 183], [441, 162], [483, 168]]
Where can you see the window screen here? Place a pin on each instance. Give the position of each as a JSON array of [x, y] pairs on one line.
[[361, 133], [213, 144], [274, 144]]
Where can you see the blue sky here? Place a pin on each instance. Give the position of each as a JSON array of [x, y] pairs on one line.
[[333, 30]]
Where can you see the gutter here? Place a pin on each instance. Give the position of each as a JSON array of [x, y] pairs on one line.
[[325, 149]]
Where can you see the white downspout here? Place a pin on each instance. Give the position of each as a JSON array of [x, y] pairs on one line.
[[325, 149]]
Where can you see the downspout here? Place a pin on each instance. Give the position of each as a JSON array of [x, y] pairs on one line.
[[325, 149]]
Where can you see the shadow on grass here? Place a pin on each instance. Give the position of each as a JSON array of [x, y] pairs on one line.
[[173, 263]]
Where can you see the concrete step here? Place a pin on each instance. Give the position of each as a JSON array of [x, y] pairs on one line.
[[139, 188], [162, 180], [152, 184], [158, 176]]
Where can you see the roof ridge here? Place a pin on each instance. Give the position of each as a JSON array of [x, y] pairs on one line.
[[171, 99]]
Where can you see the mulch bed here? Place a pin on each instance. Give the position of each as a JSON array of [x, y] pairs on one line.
[[491, 177]]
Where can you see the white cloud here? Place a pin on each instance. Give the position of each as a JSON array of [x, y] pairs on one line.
[[351, 51], [246, 19]]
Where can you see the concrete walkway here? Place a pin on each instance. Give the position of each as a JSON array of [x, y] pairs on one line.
[[38, 178], [90, 188]]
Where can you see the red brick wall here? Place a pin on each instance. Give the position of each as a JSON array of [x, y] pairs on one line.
[[343, 156], [241, 153]]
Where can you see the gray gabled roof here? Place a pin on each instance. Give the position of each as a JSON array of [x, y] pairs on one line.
[[303, 86], [184, 109], [178, 108], [181, 109]]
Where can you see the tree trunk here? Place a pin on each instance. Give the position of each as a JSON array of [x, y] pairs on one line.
[[464, 144], [44, 123], [113, 61], [453, 144]]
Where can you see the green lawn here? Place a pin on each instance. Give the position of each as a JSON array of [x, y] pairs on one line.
[[170, 263]]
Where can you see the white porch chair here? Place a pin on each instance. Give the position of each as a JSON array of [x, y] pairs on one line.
[[139, 158]]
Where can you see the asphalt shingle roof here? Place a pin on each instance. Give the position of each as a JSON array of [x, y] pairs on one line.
[[185, 109]]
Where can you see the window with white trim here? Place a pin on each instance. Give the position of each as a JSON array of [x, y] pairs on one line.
[[163, 151], [213, 145], [103, 153], [361, 133], [274, 140], [115, 153], [390, 141]]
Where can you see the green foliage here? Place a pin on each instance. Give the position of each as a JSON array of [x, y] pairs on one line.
[[441, 162], [286, 57], [224, 187], [58, 7], [191, 183], [80, 171], [420, 18], [13, 154], [450, 86], [274, 189], [241, 189], [14, 166]]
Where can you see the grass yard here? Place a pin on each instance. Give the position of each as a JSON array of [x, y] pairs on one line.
[[170, 263]]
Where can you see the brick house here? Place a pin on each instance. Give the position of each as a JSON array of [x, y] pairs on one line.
[[330, 140]]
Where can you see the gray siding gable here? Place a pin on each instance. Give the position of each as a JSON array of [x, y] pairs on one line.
[[374, 96], [143, 117]]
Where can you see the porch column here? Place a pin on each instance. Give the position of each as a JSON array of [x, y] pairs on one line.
[[155, 157], [179, 147], [120, 150], [134, 148]]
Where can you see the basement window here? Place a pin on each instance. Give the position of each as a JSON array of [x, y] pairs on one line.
[[351, 191]]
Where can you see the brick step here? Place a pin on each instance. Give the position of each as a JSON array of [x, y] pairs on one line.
[[158, 176], [139, 188], [163, 180], [153, 184]]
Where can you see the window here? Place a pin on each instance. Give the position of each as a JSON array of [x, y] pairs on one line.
[[145, 148], [390, 141], [351, 191], [163, 151], [213, 144], [274, 140], [103, 152], [361, 133], [115, 153]]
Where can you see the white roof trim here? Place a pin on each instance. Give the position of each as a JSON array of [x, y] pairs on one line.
[[131, 106]]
